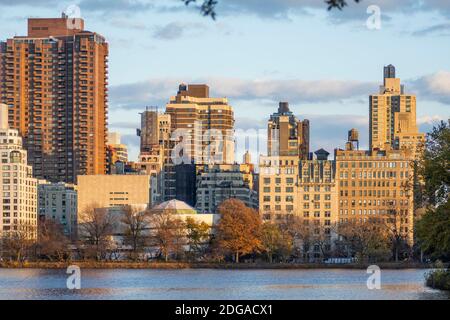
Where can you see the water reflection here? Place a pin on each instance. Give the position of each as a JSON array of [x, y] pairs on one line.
[[215, 284]]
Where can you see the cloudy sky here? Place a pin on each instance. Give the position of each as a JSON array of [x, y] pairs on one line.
[[257, 53]]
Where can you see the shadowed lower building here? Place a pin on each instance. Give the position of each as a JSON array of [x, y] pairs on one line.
[[217, 183], [58, 203]]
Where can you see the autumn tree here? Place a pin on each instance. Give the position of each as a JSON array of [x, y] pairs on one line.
[[135, 234], [96, 226], [238, 231], [167, 233], [52, 243], [198, 237]]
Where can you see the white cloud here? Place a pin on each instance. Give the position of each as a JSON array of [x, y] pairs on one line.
[[157, 91], [175, 30], [430, 120], [435, 86]]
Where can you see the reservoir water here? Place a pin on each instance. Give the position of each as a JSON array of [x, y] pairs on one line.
[[192, 284]]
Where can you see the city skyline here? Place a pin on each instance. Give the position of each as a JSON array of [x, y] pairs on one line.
[[318, 88], [224, 150]]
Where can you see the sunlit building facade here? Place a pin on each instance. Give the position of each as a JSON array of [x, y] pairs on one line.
[[376, 185], [18, 188], [54, 81], [393, 117]]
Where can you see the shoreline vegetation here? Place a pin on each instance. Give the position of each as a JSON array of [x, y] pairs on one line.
[[206, 265], [439, 279]]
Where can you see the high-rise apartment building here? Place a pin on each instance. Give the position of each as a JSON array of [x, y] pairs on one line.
[[287, 136], [376, 184], [154, 133], [54, 81], [18, 190], [202, 127], [202, 132], [393, 116], [287, 144], [155, 130]]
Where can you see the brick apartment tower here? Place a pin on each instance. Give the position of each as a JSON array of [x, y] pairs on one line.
[[54, 81]]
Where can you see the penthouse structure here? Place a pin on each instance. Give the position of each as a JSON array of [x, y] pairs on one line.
[[287, 136]]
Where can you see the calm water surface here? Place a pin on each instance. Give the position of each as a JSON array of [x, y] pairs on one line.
[[215, 284]]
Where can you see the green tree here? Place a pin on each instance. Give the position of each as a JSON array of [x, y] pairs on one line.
[[434, 168], [275, 241], [271, 239], [433, 230], [198, 236], [238, 231]]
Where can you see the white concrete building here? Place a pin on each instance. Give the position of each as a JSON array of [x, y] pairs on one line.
[[18, 189]]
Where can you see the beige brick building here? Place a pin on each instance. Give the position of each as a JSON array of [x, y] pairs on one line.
[[109, 191], [376, 184], [278, 187], [197, 120], [393, 116], [305, 189]]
